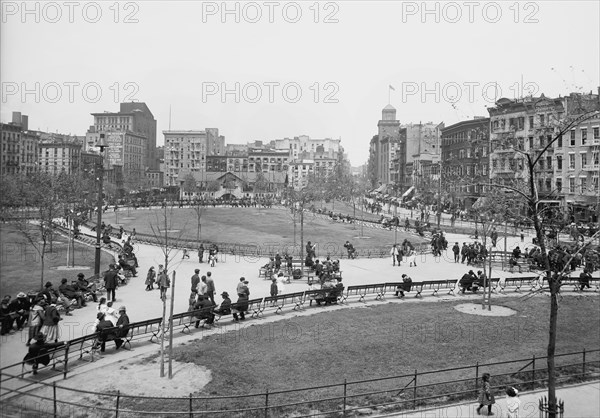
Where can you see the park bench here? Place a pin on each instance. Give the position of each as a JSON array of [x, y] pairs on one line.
[[574, 281], [327, 296], [523, 264], [148, 326], [363, 290], [435, 286], [519, 282], [392, 287], [279, 301], [187, 319], [265, 272], [255, 307]]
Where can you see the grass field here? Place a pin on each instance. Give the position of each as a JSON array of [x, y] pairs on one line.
[[385, 340], [20, 269], [265, 227]]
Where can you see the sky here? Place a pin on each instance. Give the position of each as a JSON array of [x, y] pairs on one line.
[[266, 70]]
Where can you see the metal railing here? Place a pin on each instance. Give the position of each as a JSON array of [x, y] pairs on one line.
[[390, 394]]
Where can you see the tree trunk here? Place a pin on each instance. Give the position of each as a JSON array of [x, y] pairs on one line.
[[554, 289], [302, 233]]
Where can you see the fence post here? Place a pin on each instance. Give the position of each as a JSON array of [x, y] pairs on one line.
[[66, 366], [267, 403], [533, 373], [344, 404], [583, 364], [191, 411], [54, 399], [476, 377], [117, 405], [415, 391]]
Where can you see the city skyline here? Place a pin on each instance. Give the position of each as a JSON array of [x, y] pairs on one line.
[[315, 77]]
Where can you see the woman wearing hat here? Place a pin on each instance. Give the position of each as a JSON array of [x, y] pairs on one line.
[[36, 318], [38, 352], [225, 307], [50, 323]]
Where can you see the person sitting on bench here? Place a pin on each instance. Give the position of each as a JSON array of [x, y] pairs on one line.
[[225, 307], [125, 266], [405, 286], [512, 263], [106, 330], [204, 305], [38, 352], [466, 282]]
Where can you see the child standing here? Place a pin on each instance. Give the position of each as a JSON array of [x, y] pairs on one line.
[[486, 397], [513, 403]]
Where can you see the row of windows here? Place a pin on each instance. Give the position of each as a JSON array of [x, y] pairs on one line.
[[466, 153], [460, 170]]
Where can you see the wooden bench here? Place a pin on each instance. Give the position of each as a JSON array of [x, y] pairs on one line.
[[187, 319], [145, 327], [435, 286], [265, 272], [522, 264], [363, 290], [519, 282], [574, 281], [280, 301], [255, 307]]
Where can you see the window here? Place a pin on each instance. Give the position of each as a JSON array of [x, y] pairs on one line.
[[530, 142], [572, 138], [521, 123], [559, 162], [530, 122], [571, 184], [596, 133], [549, 163], [583, 184], [583, 160], [571, 161], [583, 136], [596, 157], [549, 185], [595, 184], [542, 120]]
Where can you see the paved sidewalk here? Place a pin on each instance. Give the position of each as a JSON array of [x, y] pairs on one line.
[[581, 401]]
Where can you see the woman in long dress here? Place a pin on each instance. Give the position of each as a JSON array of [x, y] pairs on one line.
[[50, 327]]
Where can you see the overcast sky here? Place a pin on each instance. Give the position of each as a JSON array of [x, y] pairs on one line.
[[319, 69]]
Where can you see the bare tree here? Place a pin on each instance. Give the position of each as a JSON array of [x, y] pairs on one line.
[[163, 226], [526, 188]]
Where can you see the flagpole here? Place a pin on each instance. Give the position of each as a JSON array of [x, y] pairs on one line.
[[389, 95]]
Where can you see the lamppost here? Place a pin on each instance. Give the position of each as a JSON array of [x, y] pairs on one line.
[[102, 145]]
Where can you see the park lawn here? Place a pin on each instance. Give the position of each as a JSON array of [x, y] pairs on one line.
[[20, 269], [265, 227], [379, 341]]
